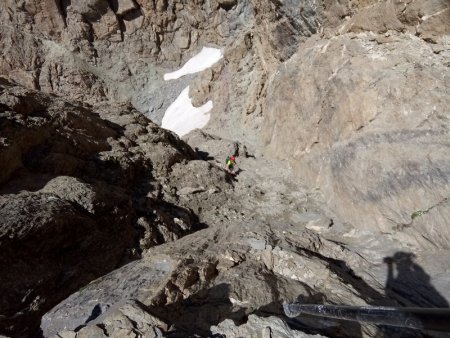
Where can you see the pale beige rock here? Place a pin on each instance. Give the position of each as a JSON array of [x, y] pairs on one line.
[[92, 332], [107, 25], [182, 38], [124, 6], [90, 8], [257, 327], [352, 128], [353, 93], [378, 18], [133, 24]]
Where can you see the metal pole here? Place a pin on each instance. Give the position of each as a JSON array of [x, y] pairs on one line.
[[437, 319]]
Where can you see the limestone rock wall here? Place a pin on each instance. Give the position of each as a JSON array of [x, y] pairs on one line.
[[362, 112], [353, 94], [118, 51], [108, 50]]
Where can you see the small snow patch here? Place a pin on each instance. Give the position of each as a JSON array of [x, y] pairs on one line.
[[181, 117], [203, 60]]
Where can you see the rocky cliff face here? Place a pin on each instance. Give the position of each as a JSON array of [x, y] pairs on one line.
[[81, 195], [102, 51], [352, 95], [371, 127]]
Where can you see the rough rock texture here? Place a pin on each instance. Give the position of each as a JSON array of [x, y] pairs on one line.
[[117, 51], [354, 95], [371, 129], [110, 50], [80, 195], [266, 243], [258, 327]]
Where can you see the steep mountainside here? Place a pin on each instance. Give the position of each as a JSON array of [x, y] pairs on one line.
[[111, 226], [81, 194], [370, 122]]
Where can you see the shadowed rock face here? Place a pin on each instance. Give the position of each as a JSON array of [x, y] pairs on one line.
[[50, 247], [80, 196]]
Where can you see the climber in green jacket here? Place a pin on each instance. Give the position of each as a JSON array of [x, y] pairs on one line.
[[230, 162]]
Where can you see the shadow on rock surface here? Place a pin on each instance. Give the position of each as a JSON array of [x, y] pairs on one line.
[[411, 285], [197, 313], [203, 155], [79, 197], [311, 324], [407, 285]]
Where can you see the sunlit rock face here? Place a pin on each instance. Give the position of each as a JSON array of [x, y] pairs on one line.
[[337, 112], [364, 116]]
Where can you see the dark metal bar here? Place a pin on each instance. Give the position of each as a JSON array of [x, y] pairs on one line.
[[437, 319]]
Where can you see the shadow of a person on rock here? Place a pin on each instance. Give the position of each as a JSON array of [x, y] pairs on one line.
[[312, 325], [410, 285], [407, 285], [203, 155]]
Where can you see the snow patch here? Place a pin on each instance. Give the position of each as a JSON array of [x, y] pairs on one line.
[[203, 60], [181, 117]]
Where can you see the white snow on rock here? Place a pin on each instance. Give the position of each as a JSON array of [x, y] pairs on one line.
[[181, 117], [205, 59]]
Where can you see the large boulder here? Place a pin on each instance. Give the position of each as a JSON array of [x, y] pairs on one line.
[[80, 195], [51, 246]]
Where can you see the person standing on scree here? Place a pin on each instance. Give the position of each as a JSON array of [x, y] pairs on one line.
[[230, 162]]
